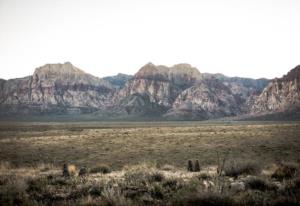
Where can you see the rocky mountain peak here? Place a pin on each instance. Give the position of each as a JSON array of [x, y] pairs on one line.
[[58, 88], [58, 69], [148, 70], [292, 75], [280, 95], [168, 73], [65, 74]]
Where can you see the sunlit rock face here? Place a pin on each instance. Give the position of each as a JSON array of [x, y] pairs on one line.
[[207, 99], [55, 88], [162, 84], [281, 94]]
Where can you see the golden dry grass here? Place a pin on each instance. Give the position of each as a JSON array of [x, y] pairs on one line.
[[119, 144], [149, 163]]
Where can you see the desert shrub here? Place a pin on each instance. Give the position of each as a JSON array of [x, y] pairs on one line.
[[54, 189], [190, 166], [83, 171], [285, 171], [78, 192], [197, 166], [170, 183], [256, 183], [113, 197], [136, 177], [13, 191], [205, 199], [251, 197], [284, 201], [95, 190], [155, 177], [241, 168], [157, 192], [36, 185], [204, 176], [143, 177], [291, 187], [58, 181], [185, 189], [104, 169]]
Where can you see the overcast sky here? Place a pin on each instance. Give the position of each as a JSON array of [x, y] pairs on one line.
[[103, 37]]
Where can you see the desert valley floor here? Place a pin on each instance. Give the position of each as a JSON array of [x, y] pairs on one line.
[[117, 143], [150, 163]]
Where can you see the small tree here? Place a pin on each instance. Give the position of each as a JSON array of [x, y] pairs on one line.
[[197, 166], [190, 166]]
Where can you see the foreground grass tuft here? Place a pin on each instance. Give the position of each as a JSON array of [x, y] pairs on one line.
[[236, 169], [285, 171], [261, 184], [104, 169], [143, 184]]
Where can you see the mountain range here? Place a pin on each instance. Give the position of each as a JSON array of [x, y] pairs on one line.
[[179, 92]]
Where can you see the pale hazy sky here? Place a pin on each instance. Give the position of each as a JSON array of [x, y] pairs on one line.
[[250, 38]]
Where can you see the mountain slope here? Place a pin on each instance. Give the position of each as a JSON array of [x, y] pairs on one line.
[[241, 87], [280, 95], [57, 88], [160, 83], [208, 99], [155, 91]]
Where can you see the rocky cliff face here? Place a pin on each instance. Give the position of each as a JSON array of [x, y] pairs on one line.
[[279, 95], [242, 88], [54, 88], [208, 99], [177, 92], [160, 83]]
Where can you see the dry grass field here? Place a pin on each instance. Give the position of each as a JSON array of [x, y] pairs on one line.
[[119, 144], [145, 163]]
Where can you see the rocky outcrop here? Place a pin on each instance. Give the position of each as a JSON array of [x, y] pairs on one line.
[[57, 88], [280, 95], [160, 83], [241, 87], [208, 99]]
